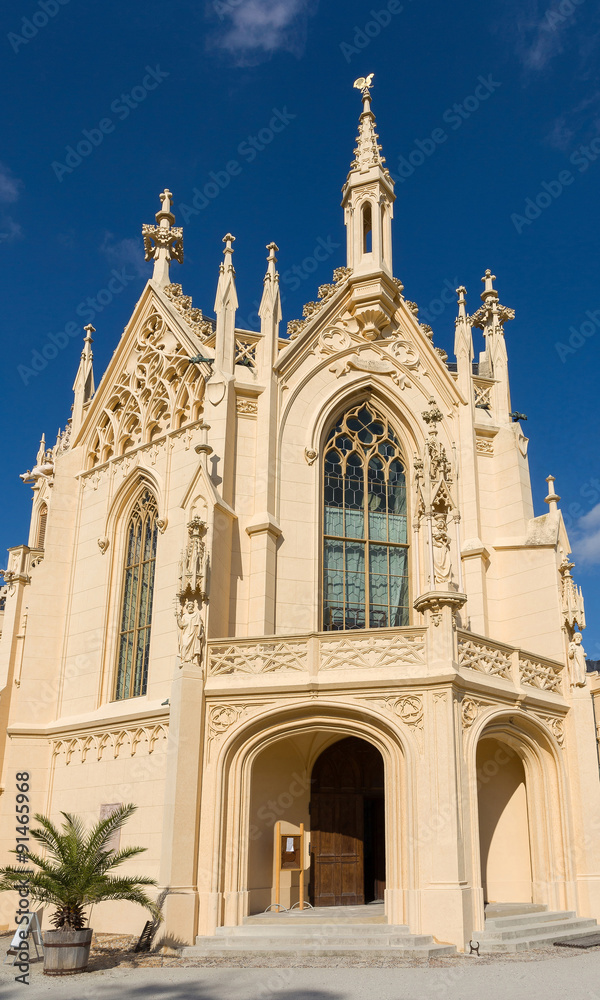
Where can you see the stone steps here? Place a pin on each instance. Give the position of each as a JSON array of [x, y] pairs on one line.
[[520, 932], [291, 939]]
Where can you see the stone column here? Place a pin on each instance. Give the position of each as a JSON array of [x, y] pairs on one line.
[[445, 899], [584, 786], [179, 858]]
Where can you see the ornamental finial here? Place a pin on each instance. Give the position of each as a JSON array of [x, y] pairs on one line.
[[164, 241], [553, 497], [489, 291]]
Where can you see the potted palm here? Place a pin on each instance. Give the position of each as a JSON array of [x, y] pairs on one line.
[[75, 872]]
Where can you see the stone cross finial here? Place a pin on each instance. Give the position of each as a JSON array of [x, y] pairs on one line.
[[166, 197], [488, 281], [164, 241]]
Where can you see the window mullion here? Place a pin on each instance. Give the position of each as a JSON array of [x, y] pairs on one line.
[[136, 620], [367, 545]]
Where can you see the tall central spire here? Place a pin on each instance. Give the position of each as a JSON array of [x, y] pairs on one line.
[[367, 153], [368, 196]]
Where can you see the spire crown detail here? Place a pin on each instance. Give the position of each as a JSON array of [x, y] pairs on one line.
[[491, 316], [367, 152], [164, 241]]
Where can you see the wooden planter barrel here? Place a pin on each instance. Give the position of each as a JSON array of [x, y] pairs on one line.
[[66, 952]]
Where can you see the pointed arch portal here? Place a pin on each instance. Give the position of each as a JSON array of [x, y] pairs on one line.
[[504, 828], [347, 825]]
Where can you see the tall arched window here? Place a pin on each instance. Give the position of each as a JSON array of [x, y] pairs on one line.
[[41, 531], [365, 560], [136, 611], [367, 228]]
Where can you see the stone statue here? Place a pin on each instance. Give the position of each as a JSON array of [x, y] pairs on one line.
[[442, 566], [191, 633], [577, 664]]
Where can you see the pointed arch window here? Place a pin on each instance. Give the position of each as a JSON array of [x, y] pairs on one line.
[[367, 216], [136, 608], [365, 546], [41, 531]]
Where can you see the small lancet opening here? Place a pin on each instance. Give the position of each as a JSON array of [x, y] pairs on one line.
[[367, 228], [41, 532]]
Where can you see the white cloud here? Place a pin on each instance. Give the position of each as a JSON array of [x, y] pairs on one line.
[[121, 252], [586, 538], [252, 30], [543, 30], [10, 187], [582, 117], [9, 229]]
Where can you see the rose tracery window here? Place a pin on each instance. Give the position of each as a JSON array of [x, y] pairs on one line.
[[365, 560], [136, 610]]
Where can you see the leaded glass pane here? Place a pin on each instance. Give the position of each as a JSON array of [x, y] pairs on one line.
[[365, 503], [136, 611]]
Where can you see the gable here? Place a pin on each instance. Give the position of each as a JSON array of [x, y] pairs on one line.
[[149, 386]]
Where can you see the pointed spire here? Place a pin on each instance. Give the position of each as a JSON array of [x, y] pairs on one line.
[[164, 241], [41, 455], [83, 386], [463, 343], [368, 197], [367, 153], [553, 497], [270, 309], [226, 303]]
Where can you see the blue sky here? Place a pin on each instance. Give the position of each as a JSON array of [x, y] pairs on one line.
[[495, 107]]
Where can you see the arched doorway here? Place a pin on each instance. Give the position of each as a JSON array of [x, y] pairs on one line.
[[347, 821], [504, 833]]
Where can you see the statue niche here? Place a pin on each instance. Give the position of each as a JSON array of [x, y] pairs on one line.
[[191, 596]]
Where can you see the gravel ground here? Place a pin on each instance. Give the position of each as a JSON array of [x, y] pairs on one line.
[[110, 951], [117, 973]]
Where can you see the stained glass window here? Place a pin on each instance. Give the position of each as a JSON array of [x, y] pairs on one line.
[[136, 611], [365, 558]]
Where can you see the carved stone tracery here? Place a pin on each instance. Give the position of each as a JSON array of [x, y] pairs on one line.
[[157, 391], [128, 742], [478, 656], [257, 658], [372, 651], [546, 676]]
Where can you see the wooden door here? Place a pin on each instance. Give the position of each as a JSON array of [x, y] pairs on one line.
[[347, 831], [337, 849]]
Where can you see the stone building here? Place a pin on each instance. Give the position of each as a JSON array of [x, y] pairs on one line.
[[281, 580]]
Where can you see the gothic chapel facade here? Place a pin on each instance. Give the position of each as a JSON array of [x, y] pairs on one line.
[[276, 584]]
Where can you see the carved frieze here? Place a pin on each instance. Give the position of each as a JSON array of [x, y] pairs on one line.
[[247, 407], [557, 728], [372, 651], [487, 659], [546, 676], [257, 657], [372, 362], [110, 745]]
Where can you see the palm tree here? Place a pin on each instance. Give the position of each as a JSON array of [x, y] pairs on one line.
[[75, 871]]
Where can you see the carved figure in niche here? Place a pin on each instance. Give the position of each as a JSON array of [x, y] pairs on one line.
[[442, 566], [191, 571], [191, 633], [577, 664]]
